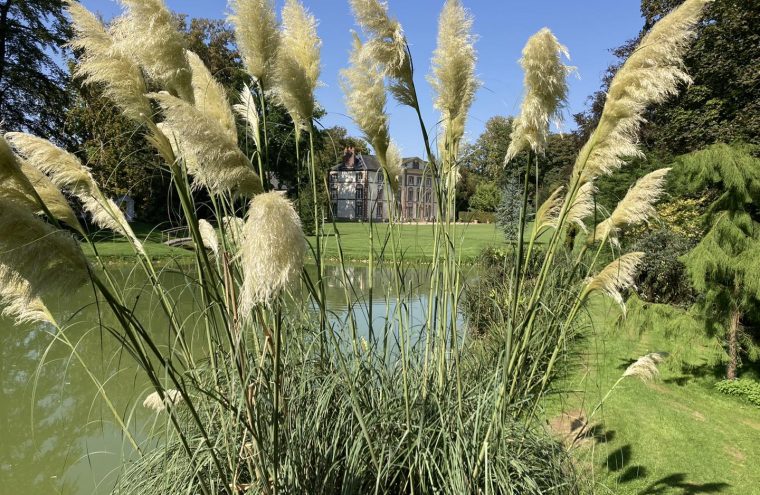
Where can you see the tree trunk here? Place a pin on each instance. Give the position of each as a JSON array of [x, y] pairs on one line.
[[733, 344]]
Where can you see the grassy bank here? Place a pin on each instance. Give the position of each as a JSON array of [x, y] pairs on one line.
[[676, 435]]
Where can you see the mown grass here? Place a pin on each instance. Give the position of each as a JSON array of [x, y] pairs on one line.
[[416, 240], [676, 435]]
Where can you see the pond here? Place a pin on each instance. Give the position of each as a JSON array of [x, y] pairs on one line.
[[57, 435]]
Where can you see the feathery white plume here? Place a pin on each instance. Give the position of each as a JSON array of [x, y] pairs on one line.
[[387, 45], [652, 73], [107, 65], [297, 68], [68, 173], [210, 96], [233, 229], [365, 99], [211, 156], [50, 261], [545, 92], [257, 36], [18, 302], [582, 206], [19, 182], [645, 368], [250, 114], [615, 277], [453, 79], [273, 249], [548, 213], [209, 237], [148, 31], [171, 397], [636, 207]]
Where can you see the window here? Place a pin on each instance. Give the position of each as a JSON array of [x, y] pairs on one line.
[[379, 210], [427, 213], [428, 183], [409, 180], [360, 176], [409, 194], [409, 212], [335, 209], [359, 192], [428, 196], [333, 192], [359, 209]]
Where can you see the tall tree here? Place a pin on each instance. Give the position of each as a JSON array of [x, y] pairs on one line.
[[33, 95], [725, 264]]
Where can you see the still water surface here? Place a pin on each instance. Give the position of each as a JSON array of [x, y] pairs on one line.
[[57, 436]]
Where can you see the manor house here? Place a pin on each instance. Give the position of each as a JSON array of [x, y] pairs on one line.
[[358, 190]]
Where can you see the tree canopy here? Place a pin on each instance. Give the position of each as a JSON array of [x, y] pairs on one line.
[[33, 87]]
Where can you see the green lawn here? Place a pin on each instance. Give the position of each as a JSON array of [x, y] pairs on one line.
[[416, 240], [676, 435]]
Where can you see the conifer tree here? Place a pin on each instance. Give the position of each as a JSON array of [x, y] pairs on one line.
[[725, 264]]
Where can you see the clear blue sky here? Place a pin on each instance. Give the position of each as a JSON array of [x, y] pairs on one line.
[[589, 28]]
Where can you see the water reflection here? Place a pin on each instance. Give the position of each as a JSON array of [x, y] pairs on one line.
[[57, 436]]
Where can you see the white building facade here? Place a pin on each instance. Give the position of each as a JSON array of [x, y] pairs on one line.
[[358, 191]]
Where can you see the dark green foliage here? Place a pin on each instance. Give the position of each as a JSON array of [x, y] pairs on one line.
[[723, 103], [508, 212], [725, 264], [662, 276], [33, 95], [477, 216], [743, 388]]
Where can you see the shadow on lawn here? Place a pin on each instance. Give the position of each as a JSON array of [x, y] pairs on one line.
[[675, 484], [678, 481]]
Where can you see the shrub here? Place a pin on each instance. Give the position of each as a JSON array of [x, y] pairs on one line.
[[743, 388], [508, 212], [476, 216], [662, 277]]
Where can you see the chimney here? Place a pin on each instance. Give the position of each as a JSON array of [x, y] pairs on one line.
[[349, 157]]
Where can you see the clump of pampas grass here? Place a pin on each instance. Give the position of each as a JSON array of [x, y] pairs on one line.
[[212, 157], [453, 79], [297, 69], [148, 31], [652, 73], [67, 172], [635, 208], [257, 36], [545, 92], [272, 250], [104, 63]]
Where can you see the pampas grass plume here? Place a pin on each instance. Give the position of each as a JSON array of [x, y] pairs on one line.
[[246, 108], [453, 79], [211, 156], [387, 46], [107, 65], [148, 31], [545, 92], [645, 368], [154, 402], [257, 36], [635, 208], [365, 99], [298, 59], [615, 277], [273, 249], [209, 237], [210, 97], [652, 73], [582, 206]]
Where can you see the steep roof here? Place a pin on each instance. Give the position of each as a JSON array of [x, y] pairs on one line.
[[370, 163]]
